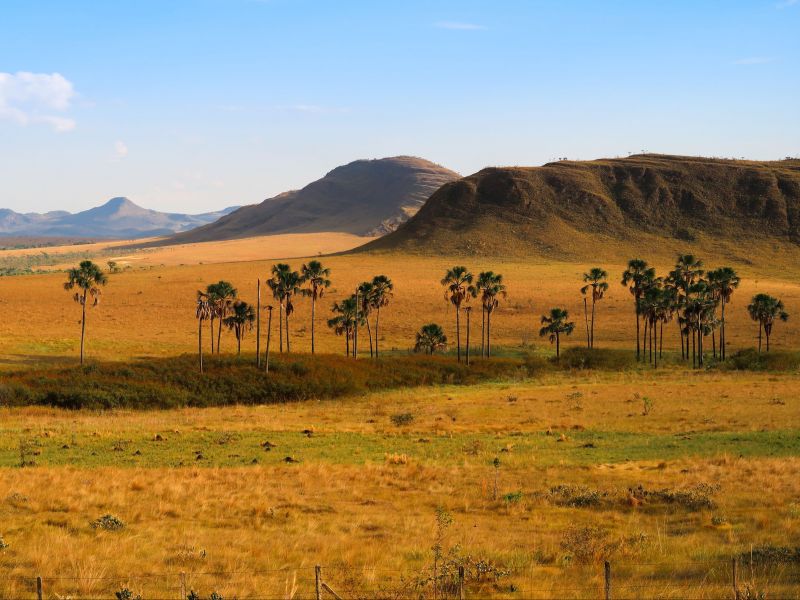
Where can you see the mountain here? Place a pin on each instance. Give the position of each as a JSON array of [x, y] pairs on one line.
[[365, 197], [117, 218], [581, 208]]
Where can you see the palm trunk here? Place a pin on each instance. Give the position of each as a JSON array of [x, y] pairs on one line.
[[594, 304], [586, 319], [655, 355], [287, 332], [83, 323], [661, 341], [258, 325], [355, 329], [767, 332], [280, 326], [200, 342], [269, 336], [238, 344], [211, 329], [488, 333], [638, 353], [467, 355], [458, 332], [760, 325], [377, 321], [483, 330], [313, 310], [694, 353], [558, 346], [219, 333], [347, 344], [722, 333], [369, 335]]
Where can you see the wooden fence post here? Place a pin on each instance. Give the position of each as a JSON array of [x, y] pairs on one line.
[[39, 587], [318, 578], [608, 580], [183, 585], [735, 578], [461, 580]]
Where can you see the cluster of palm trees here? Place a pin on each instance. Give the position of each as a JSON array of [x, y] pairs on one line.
[[355, 311], [459, 289]]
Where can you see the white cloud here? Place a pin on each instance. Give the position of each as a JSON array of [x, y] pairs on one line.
[[33, 98], [120, 149], [786, 3], [457, 25], [754, 60]]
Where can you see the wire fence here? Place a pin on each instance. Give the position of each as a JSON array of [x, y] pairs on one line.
[[738, 579]]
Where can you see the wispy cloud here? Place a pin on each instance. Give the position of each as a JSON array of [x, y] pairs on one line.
[[120, 149], [459, 26], [34, 98], [787, 3], [754, 60]]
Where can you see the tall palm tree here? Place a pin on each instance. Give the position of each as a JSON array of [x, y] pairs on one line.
[[489, 286], [382, 291], [315, 276], [203, 312], [365, 292], [285, 284], [724, 282], [344, 321], [430, 339], [87, 277], [458, 289], [687, 273], [766, 310], [276, 284], [240, 320], [555, 325], [636, 277], [595, 281], [220, 296]]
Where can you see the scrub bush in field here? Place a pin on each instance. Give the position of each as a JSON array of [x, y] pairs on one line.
[[108, 523]]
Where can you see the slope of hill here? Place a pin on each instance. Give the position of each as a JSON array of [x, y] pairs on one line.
[[365, 197], [575, 209], [117, 218]]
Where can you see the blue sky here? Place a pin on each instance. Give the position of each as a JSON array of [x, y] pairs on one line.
[[192, 105]]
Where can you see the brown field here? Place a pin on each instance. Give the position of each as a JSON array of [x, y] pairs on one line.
[[716, 452]]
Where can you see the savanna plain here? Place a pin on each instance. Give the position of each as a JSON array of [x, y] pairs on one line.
[[528, 472]]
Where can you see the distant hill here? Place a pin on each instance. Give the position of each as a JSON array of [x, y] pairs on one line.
[[118, 218], [365, 197], [578, 209]]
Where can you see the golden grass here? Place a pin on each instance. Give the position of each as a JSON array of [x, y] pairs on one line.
[[150, 311], [254, 530]]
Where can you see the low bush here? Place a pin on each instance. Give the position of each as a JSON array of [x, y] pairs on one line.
[[176, 382], [598, 358], [752, 360]]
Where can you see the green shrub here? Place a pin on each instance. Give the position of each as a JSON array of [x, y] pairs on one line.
[[108, 523], [751, 360], [597, 358]]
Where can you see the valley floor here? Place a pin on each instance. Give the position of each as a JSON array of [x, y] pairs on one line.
[[667, 474]]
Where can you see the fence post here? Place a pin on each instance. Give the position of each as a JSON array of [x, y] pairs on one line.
[[608, 580], [461, 581], [183, 585], [39, 587], [735, 578], [318, 578]]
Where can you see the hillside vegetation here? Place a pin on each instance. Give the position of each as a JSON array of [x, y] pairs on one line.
[[578, 209]]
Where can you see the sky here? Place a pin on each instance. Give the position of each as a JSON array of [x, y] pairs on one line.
[[194, 105]]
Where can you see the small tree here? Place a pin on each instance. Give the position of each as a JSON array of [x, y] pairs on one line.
[[766, 310], [87, 278], [556, 324], [239, 321], [430, 338], [315, 276], [458, 288], [596, 283], [202, 313], [635, 277], [382, 291]]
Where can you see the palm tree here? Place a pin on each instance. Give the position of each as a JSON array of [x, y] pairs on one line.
[[364, 293], [635, 277], [458, 289], [316, 277], [382, 291], [490, 287], [239, 321], [430, 338], [595, 281], [765, 309], [556, 325], [344, 321], [724, 282], [285, 284], [202, 313], [687, 273], [220, 296], [88, 278]]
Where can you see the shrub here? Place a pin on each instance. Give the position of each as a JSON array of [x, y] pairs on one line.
[[575, 495], [126, 594], [597, 358], [751, 360], [694, 498], [108, 523], [3, 544], [401, 419]]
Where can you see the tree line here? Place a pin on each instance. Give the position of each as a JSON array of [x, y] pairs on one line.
[[695, 299]]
